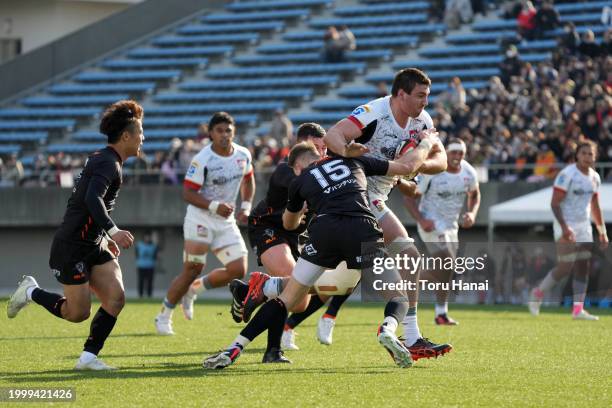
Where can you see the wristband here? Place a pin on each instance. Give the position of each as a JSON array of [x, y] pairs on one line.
[[213, 206], [113, 231], [246, 206]]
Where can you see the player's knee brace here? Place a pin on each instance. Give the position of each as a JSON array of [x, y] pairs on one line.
[[400, 245], [397, 307], [195, 258]]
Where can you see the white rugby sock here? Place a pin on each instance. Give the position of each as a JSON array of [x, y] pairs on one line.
[[411, 327], [273, 287], [167, 308], [390, 324], [548, 282], [441, 309]]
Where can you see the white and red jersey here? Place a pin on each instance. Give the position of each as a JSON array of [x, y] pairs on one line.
[[579, 189], [217, 178], [443, 195], [382, 135]]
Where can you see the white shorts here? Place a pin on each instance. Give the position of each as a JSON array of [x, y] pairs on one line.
[[583, 231], [217, 233], [437, 241], [378, 206]]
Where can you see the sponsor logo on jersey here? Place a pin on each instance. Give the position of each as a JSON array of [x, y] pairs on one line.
[[310, 250], [192, 169], [202, 231], [361, 109], [561, 179]]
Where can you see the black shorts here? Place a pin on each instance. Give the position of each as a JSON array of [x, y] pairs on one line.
[[262, 238], [72, 262], [337, 238]]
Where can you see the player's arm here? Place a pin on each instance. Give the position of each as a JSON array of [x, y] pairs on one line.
[[599, 220], [412, 161], [339, 139], [295, 209], [436, 162], [407, 187], [247, 192], [555, 204], [194, 179], [94, 200], [473, 204]]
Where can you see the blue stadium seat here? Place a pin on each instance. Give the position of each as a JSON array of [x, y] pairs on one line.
[[72, 89], [166, 40], [192, 121], [298, 93], [411, 18], [92, 147], [486, 49], [477, 61], [372, 92], [495, 36], [92, 135], [370, 32], [192, 108], [346, 104], [442, 75], [275, 4], [386, 8], [511, 24], [582, 7], [10, 149], [128, 76], [48, 112], [38, 137], [359, 55], [195, 29], [155, 63], [73, 100], [59, 124], [255, 16], [262, 83], [287, 70], [145, 52], [319, 117]]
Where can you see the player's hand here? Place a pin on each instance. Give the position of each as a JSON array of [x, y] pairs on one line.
[[123, 238], [427, 225], [467, 220], [603, 241], [225, 210], [355, 150], [242, 217], [303, 216], [430, 134], [568, 234], [112, 246]]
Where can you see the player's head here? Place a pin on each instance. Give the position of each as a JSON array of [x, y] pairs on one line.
[[586, 154], [314, 133], [302, 155], [221, 128], [455, 152], [411, 88], [122, 124]]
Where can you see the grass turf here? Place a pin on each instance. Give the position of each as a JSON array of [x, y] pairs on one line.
[[502, 357]]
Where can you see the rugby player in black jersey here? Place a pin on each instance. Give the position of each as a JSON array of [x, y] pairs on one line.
[[335, 189], [277, 249], [86, 246]]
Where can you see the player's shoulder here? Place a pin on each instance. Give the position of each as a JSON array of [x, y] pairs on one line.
[[240, 150], [104, 159], [569, 170], [594, 175], [373, 107], [203, 154], [468, 168]]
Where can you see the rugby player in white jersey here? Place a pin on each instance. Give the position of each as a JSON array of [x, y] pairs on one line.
[[575, 198], [379, 128], [216, 175], [436, 207]]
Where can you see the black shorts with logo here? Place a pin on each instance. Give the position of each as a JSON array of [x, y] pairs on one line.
[[72, 262], [336, 238], [262, 238]]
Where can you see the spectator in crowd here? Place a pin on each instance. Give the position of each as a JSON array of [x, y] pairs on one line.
[[13, 172], [526, 21], [436, 11], [510, 65], [347, 39], [381, 89], [168, 169], [457, 12], [281, 128], [455, 95], [332, 46], [512, 9], [146, 258], [202, 134], [546, 19], [185, 154], [570, 39], [588, 46]]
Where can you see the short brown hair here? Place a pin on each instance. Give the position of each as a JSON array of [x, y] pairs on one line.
[[118, 117], [302, 149], [220, 117], [407, 79], [587, 143], [310, 129]]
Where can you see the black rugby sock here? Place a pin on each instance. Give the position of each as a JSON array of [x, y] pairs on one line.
[[296, 318], [101, 326], [335, 304], [50, 301], [271, 316]]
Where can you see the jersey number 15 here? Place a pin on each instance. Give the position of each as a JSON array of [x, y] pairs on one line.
[[334, 170]]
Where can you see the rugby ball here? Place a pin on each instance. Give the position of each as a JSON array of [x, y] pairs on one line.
[[339, 281], [405, 147]]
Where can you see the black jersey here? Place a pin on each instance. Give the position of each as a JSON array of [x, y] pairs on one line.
[[336, 185], [93, 197], [269, 211]]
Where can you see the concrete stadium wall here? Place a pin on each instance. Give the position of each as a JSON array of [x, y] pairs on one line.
[[60, 57], [29, 217]]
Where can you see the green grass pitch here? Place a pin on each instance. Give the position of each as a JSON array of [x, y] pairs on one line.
[[502, 357]]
